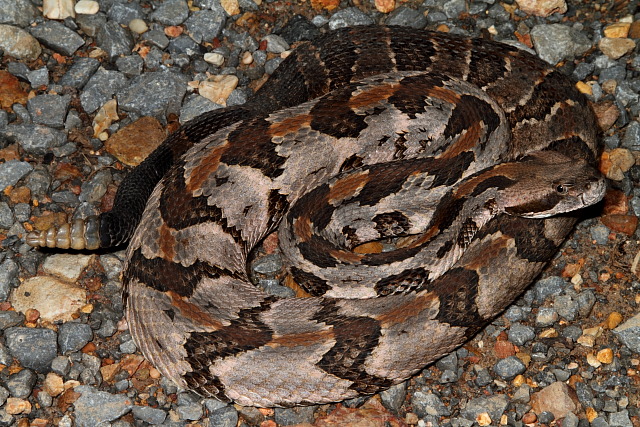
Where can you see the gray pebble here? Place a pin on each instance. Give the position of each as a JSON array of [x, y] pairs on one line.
[[94, 407], [572, 332], [35, 348], [157, 38], [100, 88], [276, 44], [297, 415], [599, 422], [631, 137], [9, 318], [273, 287], [39, 77], [225, 417], [154, 94], [205, 25], [521, 334], [299, 28], [123, 13], [80, 72], [570, 420], [190, 412], [171, 12], [4, 394], [585, 300], [6, 216], [424, 404], [393, 397], [271, 65], [546, 316], [130, 66], [617, 73], [4, 120], [509, 368], [544, 288], [17, 12], [448, 362], [149, 415], [626, 94], [13, 170], [91, 24], [348, 18], [483, 378], [600, 234], [93, 190], [453, 8], [494, 405], [61, 365], [268, 265], [22, 212], [629, 333], [620, 419], [555, 42], [436, 16], [522, 394], [114, 39], [49, 110], [183, 45], [8, 279], [21, 383], [407, 17], [566, 306], [612, 141], [515, 313], [72, 336], [583, 70], [57, 37], [128, 347]]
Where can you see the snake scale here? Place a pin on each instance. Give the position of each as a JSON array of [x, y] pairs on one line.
[[365, 134]]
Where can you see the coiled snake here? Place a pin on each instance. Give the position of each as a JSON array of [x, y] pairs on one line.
[[454, 148]]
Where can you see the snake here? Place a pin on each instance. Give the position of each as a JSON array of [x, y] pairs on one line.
[[468, 160]]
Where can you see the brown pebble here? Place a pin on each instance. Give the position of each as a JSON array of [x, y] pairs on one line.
[[605, 356], [613, 320], [626, 224], [529, 418]]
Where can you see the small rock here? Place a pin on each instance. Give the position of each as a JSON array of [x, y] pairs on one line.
[[276, 44], [493, 406], [154, 94], [556, 398], [171, 12], [100, 88], [21, 383], [72, 336], [629, 333], [12, 171], [394, 397], [520, 334], [620, 419], [87, 7], [626, 224], [618, 29], [53, 384], [542, 8], [616, 48], [95, 407], [57, 37], [218, 89], [425, 404], [17, 12], [348, 18], [509, 367], [205, 25], [138, 26], [80, 72], [15, 406], [55, 300], [35, 348], [49, 110], [225, 417], [150, 415], [230, 6], [114, 39], [291, 416], [555, 42], [407, 17], [58, 9], [18, 43], [133, 143], [214, 58]]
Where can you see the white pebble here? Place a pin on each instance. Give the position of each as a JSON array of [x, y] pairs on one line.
[[247, 58], [138, 26], [87, 7], [214, 58]]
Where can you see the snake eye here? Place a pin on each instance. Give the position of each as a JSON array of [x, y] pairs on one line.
[[562, 189]]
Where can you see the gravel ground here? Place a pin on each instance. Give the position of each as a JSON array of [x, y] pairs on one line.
[[566, 353]]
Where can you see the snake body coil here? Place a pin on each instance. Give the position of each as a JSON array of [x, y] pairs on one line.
[[365, 134]]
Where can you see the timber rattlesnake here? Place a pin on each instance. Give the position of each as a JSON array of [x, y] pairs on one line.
[[447, 112]]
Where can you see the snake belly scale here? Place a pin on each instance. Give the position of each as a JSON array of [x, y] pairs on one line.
[[337, 109]]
